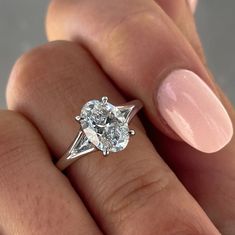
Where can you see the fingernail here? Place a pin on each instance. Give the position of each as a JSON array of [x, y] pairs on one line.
[[193, 5], [193, 111]]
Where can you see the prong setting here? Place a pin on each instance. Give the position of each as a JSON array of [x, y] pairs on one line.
[[131, 132], [106, 152], [78, 118], [104, 99]]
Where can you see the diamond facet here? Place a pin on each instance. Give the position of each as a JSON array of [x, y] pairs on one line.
[[105, 126]]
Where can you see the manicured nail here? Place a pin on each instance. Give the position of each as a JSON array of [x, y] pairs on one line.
[[193, 5], [193, 111]]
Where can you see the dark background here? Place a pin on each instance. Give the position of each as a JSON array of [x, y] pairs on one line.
[[22, 27]]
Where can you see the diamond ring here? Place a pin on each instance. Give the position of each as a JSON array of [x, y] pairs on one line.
[[104, 127]]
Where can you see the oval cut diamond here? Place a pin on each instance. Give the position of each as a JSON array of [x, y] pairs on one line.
[[105, 126]]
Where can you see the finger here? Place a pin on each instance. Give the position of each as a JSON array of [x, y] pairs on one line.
[[210, 180], [35, 197], [176, 99], [184, 163], [193, 5], [131, 192], [180, 12]]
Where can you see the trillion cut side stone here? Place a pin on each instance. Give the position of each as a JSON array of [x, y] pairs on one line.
[[105, 126]]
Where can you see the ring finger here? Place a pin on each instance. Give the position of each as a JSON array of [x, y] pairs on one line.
[[132, 192], [35, 197]]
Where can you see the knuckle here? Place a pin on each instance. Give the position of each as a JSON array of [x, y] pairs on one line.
[[32, 70], [136, 192], [26, 72], [129, 26], [136, 197]]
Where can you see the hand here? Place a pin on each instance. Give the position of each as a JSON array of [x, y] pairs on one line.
[[117, 49]]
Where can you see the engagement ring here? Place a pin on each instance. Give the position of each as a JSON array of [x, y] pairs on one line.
[[104, 127]]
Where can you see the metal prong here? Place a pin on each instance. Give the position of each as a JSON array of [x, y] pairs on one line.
[[104, 99], [78, 118], [106, 152], [131, 132]]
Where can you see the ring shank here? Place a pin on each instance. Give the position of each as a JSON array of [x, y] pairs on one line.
[[78, 149]]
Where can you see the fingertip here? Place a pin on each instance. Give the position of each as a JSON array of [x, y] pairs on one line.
[[193, 5], [194, 112]]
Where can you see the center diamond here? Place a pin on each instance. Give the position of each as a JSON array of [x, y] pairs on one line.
[[105, 126]]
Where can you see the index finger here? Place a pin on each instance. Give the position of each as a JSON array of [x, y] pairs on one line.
[[147, 57]]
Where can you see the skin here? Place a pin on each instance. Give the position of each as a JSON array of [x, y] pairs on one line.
[[135, 191]]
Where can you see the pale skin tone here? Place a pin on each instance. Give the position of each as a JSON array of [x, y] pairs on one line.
[[133, 192]]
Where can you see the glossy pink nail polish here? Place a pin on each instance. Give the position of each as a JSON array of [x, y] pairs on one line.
[[193, 5], [193, 111]]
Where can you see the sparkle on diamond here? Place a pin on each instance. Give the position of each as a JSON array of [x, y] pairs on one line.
[[105, 126]]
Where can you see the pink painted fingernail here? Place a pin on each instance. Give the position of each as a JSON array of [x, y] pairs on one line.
[[193, 5], [193, 111]]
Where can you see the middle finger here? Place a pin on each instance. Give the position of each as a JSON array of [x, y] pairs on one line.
[[131, 192]]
